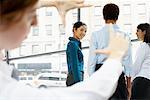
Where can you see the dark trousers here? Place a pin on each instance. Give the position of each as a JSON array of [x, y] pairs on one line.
[[121, 92], [98, 66], [140, 89], [70, 78]]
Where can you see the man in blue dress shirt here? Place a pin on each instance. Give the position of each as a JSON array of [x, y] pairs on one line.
[[100, 40]]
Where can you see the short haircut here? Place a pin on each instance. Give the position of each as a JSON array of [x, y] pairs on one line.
[[77, 25], [110, 11], [143, 26]]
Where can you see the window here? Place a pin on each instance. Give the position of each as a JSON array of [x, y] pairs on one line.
[[48, 47], [98, 11], [35, 49], [48, 29], [35, 31], [62, 29], [30, 78], [22, 50], [43, 78], [97, 21], [126, 9], [74, 15], [48, 11], [63, 79], [141, 8], [48, 78], [128, 27], [23, 78], [54, 78], [64, 64]]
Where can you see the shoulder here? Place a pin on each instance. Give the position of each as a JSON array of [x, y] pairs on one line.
[[71, 44], [122, 31], [144, 45], [98, 32]]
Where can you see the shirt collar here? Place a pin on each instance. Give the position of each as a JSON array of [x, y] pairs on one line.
[[75, 40], [114, 25]]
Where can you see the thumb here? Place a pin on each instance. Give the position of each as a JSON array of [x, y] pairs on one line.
[[63, 16], [83, 5]]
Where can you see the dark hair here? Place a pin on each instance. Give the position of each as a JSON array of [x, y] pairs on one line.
[[143, 26], [147, 35], [110, 11], [9, 9], [77, 25]]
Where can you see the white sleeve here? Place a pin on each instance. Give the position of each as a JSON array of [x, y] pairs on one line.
[[104, 81], [139, 59], [100, 85]]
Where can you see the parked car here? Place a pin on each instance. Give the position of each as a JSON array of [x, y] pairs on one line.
[[28, 80], [44, 80]]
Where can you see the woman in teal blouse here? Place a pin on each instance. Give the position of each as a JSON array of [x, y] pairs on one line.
[[74, 54]]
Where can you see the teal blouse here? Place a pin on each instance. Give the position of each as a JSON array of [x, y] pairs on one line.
[[75, 59]]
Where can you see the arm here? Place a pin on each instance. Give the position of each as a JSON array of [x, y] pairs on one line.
[[91, 89], [127, 63], [105, 79], [65, 4], [140, 56], [47, 3], [102, 80], [102, 51]]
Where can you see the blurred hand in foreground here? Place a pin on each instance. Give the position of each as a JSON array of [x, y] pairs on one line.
[[63, 6], [118, 45]]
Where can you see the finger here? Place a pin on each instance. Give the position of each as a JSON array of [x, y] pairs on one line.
[[63, 17], [102, 51], [83, 5], [78, 1]]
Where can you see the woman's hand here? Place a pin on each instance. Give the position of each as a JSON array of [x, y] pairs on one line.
[[63, 6], [117, 47], [102, 51]]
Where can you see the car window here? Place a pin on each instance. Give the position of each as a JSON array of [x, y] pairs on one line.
[[43, 78], [23, 78], [63, 79], [54, 78], [30, 78], [49, 78]]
